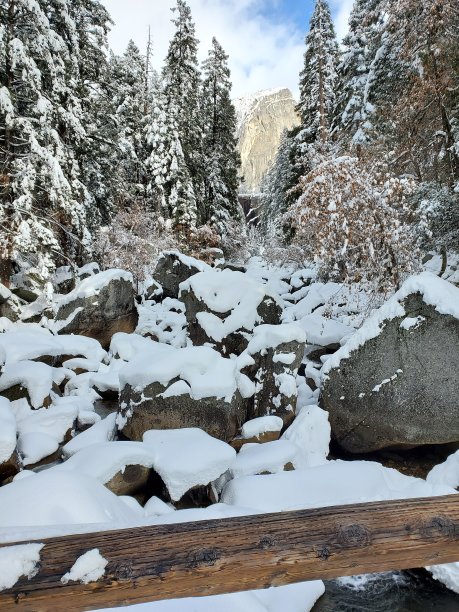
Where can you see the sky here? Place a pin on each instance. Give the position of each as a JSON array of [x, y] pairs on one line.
[[264, 38]]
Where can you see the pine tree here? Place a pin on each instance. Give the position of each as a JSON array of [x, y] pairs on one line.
[[219, 144], [317, 92], [275, 187], [364, 52], [182, 85], [43, 200], [129, 93], [318, 78], [170, 187]]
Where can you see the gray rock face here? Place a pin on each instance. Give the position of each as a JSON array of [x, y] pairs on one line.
[[262, 118], [174, 268], [147, 410], [400, 389], [111, 310], [10, 304]]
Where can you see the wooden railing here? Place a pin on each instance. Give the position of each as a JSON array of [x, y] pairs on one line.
[[244, 553]]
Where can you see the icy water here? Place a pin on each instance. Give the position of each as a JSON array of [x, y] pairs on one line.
[[413, 591]]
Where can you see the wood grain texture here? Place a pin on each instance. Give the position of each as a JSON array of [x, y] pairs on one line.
[[239, 554]]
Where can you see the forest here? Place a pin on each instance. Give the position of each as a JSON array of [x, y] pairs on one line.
[[174, 349]]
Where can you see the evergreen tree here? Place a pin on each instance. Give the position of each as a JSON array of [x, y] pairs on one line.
[[219, 144], [275, 186], [182, 83], [129, 93], [43, 200], [318, 77], [170, 185], [364, 52]]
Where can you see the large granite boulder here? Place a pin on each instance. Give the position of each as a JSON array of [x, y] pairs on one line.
[[394, 384], [223, 307], [168, 388], [174, 268], [277, 352], [28, 285], [100, 306]]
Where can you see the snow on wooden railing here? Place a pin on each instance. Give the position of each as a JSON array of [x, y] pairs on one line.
[[237, 554]]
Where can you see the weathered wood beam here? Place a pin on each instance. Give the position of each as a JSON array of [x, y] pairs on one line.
[[239, 554]]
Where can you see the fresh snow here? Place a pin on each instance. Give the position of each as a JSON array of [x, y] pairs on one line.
[[256, 427], [7, 430], [227, 292], [203, 369], [269, 457], [271, 336], [90, 567], [18, 561], [310, 432], [186, 458], [102, 431], [93, 285], [446, 473]]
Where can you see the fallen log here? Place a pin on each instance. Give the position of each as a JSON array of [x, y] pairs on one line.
[[238, 554]]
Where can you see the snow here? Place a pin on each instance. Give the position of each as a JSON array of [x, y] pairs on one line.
[[230, 292], [128, 346], [156, 507], [189, 262], [41, 431], [186, 458], [93, 285], [38, 378], [7, 430], [60, 498], [299, 597], [440, 294], [256, 427], [447, 574], [446, 473], [164, 321], [331, 484], [259, 458], [271, 336], [102, 431], [17, 561], [90, 567], [321, 331], [311, 433], [207, 373], [25, 342], [103, 461]]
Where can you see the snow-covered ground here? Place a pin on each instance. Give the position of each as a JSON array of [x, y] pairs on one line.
[[68, 454]]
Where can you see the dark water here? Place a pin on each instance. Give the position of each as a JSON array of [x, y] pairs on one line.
[[413, 591]]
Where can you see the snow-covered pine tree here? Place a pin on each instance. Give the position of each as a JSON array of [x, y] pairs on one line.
[[221, 158], [92, 23], [364, 51], [317, 92], [129, 92], [275, 186], [170, 187], [182, 85], [318, 77], [43, 201]]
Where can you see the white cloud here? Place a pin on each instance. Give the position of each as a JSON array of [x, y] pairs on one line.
[[263, 53], [341, 11]]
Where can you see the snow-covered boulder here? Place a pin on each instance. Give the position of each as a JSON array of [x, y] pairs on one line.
[[32, 380], [167, 388], [224, 307], [9, 463], [123, 467], [10, 305], [268, 458], [174, 268], [63, 280], [258, 431], [277, 352], [188, 458], [391, 384], [28, 285], [100, 306]]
